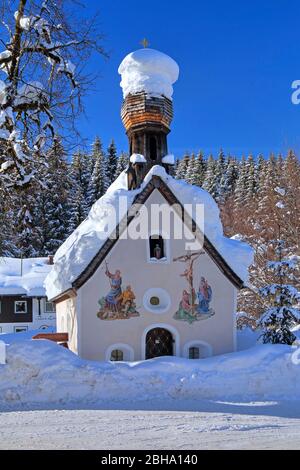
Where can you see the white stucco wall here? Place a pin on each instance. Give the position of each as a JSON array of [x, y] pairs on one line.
[[95, 337], [67, 313]]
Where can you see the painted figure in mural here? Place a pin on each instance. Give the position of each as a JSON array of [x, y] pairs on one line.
[[117, 304], [186, 310], [189, 310], [127, 299], [204, 296], [113, 297]]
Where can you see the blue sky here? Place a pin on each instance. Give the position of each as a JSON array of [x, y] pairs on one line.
[[237, 62]]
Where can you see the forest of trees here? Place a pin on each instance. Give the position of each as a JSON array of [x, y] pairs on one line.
[[259, 201], [38, 218]]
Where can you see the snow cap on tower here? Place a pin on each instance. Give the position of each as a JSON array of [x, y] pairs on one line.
[[150, 71]]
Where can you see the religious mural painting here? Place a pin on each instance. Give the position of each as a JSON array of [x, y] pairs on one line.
[[118, 303], [194, 303]]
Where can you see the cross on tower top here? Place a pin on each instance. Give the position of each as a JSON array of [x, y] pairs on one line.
[[144, 42]]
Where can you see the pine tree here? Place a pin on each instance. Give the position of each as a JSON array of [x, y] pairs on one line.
[[51, 214], [241, 184], [210, 183], [77, 208], [112, 162], [98, 181], [26, 232], [282, 299], [122, 164], [259, 171], [190, 176], [78, 195], [182, 167], [251, 177], [200, 169], [228, 180], [7, 224]]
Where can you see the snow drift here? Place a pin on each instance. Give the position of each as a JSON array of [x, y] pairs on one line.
[[40, 373]]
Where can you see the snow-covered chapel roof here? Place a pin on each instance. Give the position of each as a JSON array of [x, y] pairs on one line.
[[76, 253], [150, 71]]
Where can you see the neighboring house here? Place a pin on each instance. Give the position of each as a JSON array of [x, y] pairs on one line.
[[170, 291], [23, 302]]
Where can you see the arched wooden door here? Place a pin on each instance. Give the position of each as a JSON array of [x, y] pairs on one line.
[[159, 342]]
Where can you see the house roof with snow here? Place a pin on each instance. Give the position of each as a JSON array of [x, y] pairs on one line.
[[80, 255], [23, 276]]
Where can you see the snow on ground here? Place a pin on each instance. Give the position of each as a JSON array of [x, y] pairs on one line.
[[212, 426], [51, 399], [10, 338], [246, 338], [39, 373]]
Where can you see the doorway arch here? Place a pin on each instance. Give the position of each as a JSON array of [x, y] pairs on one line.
[[170, 334]]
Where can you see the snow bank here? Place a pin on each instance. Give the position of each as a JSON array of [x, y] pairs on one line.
[[150, 71], [31, 282], [84, 243], [10, 338], [247, 338], [137, 158], [39, 372]]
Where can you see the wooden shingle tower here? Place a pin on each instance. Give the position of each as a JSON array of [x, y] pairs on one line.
[[147, 109]]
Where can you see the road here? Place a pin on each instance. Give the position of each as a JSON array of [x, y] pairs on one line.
[[213, 426]]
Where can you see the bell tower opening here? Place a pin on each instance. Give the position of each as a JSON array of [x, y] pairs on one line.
[[153, 148]]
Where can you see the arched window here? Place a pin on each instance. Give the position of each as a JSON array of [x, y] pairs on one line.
[[197, 349], [157, 248], [116, 355], [194, 353], [153, 148]]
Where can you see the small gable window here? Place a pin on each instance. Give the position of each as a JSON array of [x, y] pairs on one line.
[[157, 247], [116, 355], [194, 353]]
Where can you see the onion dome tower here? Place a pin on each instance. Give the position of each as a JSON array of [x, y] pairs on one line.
[[147, 109]]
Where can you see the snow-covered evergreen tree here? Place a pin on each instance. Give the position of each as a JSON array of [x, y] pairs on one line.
[[241, 184], [182, 167], [210, 183], [79, 192], [27, 233], [190, 175], [251, 177], [229, 177], [282, 299], [98, 181], [122, 164], [200, 169], [52, 208], [78, 208], [111, 163]]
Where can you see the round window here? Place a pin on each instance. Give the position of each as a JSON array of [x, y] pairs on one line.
[[154, 300]]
